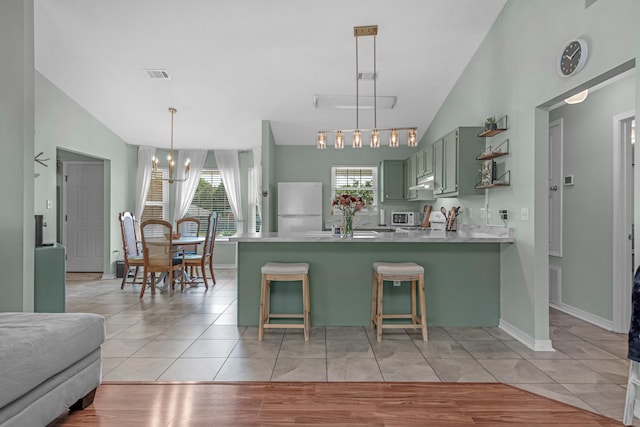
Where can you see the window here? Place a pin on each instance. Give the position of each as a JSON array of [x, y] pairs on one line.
[[362, 180], [157, 203], [211, 196]]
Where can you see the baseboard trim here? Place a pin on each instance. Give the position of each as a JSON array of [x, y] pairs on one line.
[[584, 315], [524, 338], [223, 266], [108, 276]]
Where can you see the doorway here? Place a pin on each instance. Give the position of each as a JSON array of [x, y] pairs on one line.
[[83, 215], [590, 192]]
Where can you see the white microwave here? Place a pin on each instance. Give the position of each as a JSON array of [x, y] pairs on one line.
[[405, 218]]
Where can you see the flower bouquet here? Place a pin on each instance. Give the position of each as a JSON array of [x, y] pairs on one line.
[[349, 204]]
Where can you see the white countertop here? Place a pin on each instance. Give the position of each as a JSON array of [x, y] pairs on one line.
[[465, 234]]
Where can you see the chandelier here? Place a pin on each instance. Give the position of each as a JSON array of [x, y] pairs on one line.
[[394, 141], [171, 158]]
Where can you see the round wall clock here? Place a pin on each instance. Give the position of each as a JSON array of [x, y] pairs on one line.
[[572, 57]]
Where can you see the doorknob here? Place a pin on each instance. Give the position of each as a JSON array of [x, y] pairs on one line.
[[553, 188]]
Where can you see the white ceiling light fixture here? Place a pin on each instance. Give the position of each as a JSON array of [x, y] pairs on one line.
[[578, 97], [365, 31], [171, 158], [348, 102]]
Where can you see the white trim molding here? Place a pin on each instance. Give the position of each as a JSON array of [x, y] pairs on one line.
[[524, 338], [586, 316], [622, 224]]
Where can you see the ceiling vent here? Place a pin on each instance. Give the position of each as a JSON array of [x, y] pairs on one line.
[[368, 76], [158, 74]]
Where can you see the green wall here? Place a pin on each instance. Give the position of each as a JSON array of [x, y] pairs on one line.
[[306, 163], [61, 123], [514, 72], [16, 139], [587, 264]]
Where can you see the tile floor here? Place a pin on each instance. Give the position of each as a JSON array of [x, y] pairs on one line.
[[192, 336]]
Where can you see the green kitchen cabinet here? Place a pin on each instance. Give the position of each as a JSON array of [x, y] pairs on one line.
[[424, 161], [392, 180], [410, 178], [454, 162]]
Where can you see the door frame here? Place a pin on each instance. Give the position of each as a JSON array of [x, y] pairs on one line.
[[622, 220], [63, 235], [560, 123]]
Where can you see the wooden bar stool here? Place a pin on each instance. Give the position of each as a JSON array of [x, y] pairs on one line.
[[398, 271], [284, 272]]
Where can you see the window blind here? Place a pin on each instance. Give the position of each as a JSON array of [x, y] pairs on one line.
[[157, 204], [211, 196], [360, 180]]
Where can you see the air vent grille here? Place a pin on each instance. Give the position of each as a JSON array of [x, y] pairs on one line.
[[158, 74]]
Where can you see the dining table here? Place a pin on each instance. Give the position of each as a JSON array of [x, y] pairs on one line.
[[176, 244]]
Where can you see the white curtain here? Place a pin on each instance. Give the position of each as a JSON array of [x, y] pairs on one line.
[[229, 167], [143, 178], [257, 167], [185, 190]]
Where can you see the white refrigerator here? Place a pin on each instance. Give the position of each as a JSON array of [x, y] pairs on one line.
[[299, 206]]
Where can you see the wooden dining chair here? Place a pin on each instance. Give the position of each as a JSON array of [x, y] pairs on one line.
[[189, 227], [133, 257], [201, 260], [159, 254]]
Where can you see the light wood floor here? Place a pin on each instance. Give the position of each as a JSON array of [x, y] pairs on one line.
[[335, 404]]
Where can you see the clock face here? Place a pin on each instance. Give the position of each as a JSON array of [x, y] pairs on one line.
[[572, 57]]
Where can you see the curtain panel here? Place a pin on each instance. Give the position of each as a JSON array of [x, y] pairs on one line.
[[229, 167]]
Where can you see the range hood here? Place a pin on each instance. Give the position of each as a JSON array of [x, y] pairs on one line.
[[424, 183]]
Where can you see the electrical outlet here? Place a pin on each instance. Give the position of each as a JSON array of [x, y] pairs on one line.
[[483, 213], [504, 214], [524, 214]]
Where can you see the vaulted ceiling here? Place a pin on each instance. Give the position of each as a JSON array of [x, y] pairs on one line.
[[234, 63]]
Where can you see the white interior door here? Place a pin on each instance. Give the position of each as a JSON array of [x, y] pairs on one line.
[[555, 188], [84, 215]]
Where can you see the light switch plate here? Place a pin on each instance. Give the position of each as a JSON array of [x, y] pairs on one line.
[[524, 214], [49, 204]]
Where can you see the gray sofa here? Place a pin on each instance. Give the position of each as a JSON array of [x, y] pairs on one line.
[[49, 362]]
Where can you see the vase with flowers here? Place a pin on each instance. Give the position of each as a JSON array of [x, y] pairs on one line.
[[349, 204]]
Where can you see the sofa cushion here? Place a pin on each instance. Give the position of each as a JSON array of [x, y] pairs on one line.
[[36, 346]]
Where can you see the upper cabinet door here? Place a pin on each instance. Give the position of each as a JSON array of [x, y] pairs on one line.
[[450, 147], [438, 167], [428, 160], [420, 162], [391, 180]]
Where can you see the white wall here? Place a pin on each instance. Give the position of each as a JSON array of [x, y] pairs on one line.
[[514, 72], [62, 123]]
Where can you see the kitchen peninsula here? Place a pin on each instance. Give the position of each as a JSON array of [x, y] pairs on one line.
[[462, 274]]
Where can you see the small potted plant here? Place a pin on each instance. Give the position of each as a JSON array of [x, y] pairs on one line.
[[490, 123]]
